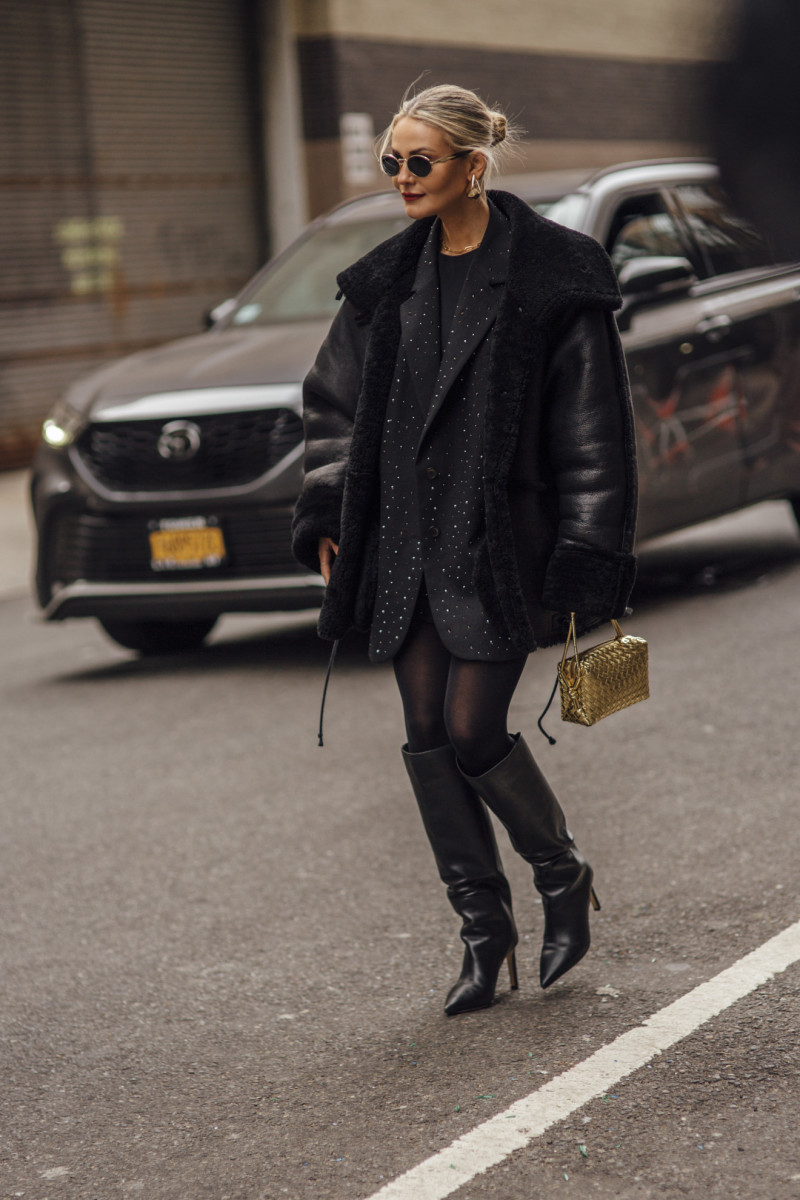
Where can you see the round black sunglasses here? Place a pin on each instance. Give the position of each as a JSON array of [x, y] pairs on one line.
[[418, 164]]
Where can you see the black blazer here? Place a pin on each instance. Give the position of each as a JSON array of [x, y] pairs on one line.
[[558, 476], [431, 494]]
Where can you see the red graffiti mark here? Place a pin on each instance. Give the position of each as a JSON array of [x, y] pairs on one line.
[[671, 436], [665, 409]]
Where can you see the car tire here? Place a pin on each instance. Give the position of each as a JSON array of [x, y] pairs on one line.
[[159, 637]]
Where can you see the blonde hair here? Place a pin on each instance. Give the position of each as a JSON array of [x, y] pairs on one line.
[[465, 120]]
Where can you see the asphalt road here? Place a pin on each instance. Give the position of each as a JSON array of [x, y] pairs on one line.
[[225, 950]]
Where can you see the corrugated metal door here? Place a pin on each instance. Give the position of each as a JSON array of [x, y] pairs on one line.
[[130, 186]]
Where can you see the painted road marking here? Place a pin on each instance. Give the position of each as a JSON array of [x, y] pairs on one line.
[[493, 1140]]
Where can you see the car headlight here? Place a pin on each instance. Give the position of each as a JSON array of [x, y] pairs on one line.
[[63, 425]]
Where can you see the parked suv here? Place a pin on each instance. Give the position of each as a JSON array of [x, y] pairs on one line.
[[164, 486]]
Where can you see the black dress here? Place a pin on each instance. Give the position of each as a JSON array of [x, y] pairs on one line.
[[422, 571]]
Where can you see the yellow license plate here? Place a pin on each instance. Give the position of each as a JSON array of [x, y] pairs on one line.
[[186, 549]]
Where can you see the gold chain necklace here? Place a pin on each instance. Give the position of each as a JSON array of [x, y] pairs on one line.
[[447, 250]]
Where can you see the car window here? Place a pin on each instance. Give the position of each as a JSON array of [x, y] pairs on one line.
[[302, 284], [642, 227], [726, 241]]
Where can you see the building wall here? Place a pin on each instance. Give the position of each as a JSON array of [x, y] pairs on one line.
[[682, 30], [589, 84], [131, 189]]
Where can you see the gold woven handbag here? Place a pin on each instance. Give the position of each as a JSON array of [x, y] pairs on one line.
[[603, 680]]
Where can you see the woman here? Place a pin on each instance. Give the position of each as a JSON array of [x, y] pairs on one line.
[[469, 481]]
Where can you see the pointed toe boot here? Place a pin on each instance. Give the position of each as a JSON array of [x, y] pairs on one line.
[[521, 798], [464, 846], [565, 885]]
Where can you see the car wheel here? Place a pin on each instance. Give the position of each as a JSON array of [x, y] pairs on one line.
[[159, 637]]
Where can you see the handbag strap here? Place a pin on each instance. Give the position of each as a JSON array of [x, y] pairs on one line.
[[572, 636]]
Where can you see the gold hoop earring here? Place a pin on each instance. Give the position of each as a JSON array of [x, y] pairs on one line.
[[474, 191]]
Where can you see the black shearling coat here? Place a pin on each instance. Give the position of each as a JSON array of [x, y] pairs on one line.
[[559, 471]]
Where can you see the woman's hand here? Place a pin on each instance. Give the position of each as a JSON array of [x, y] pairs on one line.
[[328, 550]]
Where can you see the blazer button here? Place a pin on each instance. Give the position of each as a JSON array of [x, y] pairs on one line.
[[433, 532], [431, 472]]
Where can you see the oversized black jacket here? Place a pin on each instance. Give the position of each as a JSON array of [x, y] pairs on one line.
[[559, 482]]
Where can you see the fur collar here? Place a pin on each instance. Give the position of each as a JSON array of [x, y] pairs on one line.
[[551, 268]]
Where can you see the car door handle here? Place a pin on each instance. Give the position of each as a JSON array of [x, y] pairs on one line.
[[715, 327]]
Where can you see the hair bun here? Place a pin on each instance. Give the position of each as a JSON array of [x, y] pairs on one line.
[[499, 128]]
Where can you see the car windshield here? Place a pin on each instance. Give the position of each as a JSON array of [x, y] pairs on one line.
[[301, 286]]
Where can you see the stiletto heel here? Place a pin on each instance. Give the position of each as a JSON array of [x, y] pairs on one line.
[[594, 900], [511, 963]]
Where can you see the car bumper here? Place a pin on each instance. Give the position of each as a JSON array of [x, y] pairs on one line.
[[93, 556], [195, 598]]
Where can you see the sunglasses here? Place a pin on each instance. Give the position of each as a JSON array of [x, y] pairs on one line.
[[418, 164]]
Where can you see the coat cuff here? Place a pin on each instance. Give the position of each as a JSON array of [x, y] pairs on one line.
[[308, 528], [588, 580]]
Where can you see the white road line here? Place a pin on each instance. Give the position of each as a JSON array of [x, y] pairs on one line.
[[492, 1141]]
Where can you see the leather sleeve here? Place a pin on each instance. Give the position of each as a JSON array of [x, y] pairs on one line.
[[592, 457], [330, 395]]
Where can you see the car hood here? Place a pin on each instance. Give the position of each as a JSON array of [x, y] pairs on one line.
[[230, 358]]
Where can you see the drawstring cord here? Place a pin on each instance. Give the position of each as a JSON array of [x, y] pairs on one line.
[[542, 729], [325, 689]]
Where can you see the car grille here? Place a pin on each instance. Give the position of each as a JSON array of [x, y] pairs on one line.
[[235, 449], [102, 549]]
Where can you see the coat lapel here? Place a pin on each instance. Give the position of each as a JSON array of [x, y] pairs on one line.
[[476, 313], [419, 320]]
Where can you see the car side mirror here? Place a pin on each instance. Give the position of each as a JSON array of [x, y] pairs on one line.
[[214, 315], [646, 275]]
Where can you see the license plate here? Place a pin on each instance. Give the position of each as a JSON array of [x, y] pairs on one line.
[[186, 544]]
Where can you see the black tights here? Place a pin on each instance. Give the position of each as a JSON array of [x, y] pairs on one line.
[[452, 699]]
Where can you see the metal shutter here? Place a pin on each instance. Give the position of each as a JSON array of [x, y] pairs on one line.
[[129, 189]]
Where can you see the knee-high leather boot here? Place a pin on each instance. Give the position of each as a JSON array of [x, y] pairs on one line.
[[463, 842], [519, 795]]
